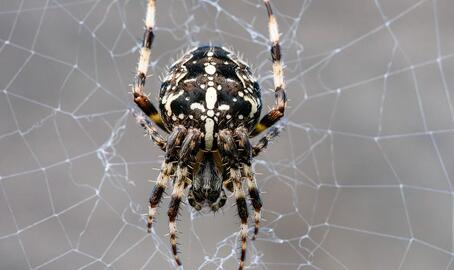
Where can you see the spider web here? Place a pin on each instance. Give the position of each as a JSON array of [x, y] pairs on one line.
[[360, 179]]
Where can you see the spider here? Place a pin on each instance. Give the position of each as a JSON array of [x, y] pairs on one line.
[[210, 105]]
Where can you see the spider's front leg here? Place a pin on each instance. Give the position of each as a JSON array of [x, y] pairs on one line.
[[245, 158], [229, 152], [189, 149], [168, 167]]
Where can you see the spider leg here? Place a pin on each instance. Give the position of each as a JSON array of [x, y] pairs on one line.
[[177, 194], [229, 152], [242, 213], [168, 167], [281, 100], [189, 148], [150, 130], [140, 98], [264, 141], [245, 158]]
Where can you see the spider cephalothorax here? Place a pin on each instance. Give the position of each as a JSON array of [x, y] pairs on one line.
[[210, 105]]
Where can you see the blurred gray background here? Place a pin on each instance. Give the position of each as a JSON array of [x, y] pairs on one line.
[[362, 177]]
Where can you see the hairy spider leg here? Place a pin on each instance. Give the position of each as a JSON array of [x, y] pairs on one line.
[[245, 157], [229, 152], [150, 130], [189, 148], [265, 140], [167, 169], [140, 98], [279, 89], [254, 195]]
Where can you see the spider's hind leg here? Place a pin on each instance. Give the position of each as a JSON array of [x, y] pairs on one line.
[[150, 130], [278, 110], [272, 133], [142, 101]]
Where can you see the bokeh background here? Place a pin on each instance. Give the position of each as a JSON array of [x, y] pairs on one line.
[[361, 178]]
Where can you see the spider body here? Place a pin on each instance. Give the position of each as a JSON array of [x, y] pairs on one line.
[[210, 89], [210, 105], [206, 189]]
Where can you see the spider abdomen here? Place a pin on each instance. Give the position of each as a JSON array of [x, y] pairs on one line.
[[211, 89]]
